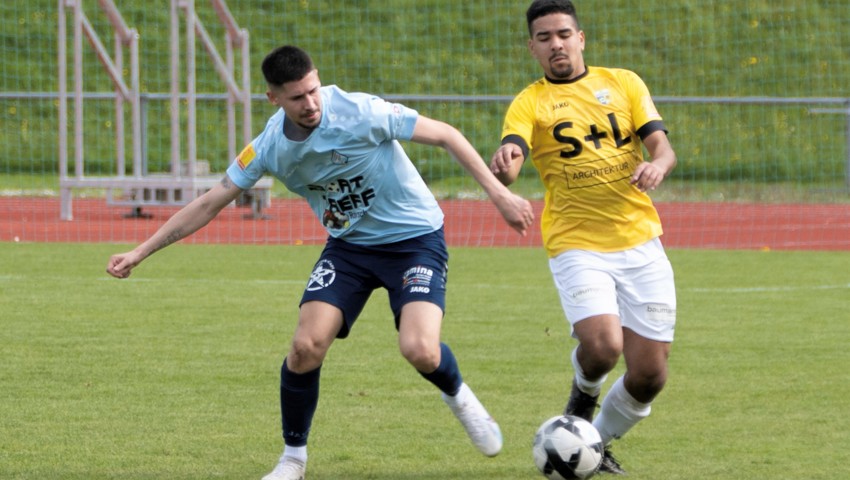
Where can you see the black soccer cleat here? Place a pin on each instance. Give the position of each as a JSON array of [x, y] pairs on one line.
[[581, 404], [610, 464]]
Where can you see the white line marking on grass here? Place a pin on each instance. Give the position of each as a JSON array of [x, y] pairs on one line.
[[259, 281], [222, 281], [767, 289]]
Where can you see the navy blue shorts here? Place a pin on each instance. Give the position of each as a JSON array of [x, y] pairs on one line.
[[411, 270]]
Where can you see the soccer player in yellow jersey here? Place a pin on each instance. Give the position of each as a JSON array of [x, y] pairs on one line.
[[583, 128]]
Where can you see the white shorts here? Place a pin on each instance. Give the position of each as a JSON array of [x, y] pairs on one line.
[[637, 285]]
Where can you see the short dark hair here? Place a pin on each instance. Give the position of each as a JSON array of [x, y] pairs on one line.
[[541, 8], [286, 64]]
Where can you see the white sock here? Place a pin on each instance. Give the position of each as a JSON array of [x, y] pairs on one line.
[[460, 396], [619, 413], [592, 388], [298, 453]]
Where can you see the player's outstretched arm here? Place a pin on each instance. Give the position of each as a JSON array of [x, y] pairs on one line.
[[515, 209], [185, 222]]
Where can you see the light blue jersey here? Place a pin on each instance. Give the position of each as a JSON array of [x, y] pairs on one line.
[[351, 169]]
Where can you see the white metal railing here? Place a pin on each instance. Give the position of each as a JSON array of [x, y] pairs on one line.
[[185, 182], [124, 37], [235, 38]]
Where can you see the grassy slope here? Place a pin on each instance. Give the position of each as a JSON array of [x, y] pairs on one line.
[[681, 48]]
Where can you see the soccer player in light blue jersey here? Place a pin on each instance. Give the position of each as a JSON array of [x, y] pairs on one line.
[[341, 152]]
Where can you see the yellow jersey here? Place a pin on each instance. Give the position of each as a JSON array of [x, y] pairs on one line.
[[583, 136]]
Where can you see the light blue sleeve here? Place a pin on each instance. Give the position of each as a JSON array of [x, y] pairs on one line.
[[250, 165], [239, 177], [375, 118], [406, 121]]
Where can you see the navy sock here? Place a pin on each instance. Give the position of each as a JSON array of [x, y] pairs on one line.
[[299, 396], [447, 376]]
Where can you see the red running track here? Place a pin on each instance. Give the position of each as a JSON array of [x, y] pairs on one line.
[[468, 223]]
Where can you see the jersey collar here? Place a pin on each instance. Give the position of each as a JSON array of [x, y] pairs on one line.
[[571, 80]]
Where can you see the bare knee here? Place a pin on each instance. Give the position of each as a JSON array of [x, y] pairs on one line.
[[318, 325], [600, 344], [646, 366], [645, 384], [419, 335], [599, 356], [305, 355], [425, 358]]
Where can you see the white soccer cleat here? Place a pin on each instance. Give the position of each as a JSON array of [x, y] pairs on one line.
[[288, 468], [479, 425]]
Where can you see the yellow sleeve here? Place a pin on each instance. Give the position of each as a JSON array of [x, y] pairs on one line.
[[520, 118], [642, 106]]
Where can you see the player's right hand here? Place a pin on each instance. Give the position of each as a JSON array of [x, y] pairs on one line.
[[517, 212], [120, 265]]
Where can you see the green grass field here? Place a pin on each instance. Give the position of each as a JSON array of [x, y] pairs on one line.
[[173, 373]]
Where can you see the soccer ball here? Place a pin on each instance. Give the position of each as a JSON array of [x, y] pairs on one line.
[[567, 447]]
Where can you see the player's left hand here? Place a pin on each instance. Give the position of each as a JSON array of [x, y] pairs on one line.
[[647, 177]]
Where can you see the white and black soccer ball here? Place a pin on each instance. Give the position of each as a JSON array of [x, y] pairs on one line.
[[567, 447]]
